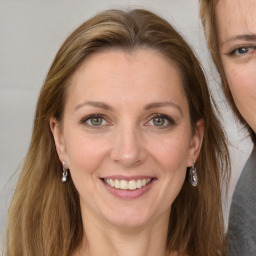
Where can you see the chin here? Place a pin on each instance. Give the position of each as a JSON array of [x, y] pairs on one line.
[[128, 218]]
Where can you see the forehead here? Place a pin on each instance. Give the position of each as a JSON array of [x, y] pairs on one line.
[[119, 77], [133, 67], [235, 17]]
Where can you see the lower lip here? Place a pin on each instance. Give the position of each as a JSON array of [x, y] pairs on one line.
[[128, 194]]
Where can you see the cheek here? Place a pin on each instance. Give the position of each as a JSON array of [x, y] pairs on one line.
[[85, 155], [172, 154], [235, 81], [173, 159], [242, 80]]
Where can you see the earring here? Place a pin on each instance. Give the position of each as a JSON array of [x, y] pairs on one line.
[[64, 173], [193, 179]]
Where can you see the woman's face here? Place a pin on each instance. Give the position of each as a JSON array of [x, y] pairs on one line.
[[236, 21], [126, 136]]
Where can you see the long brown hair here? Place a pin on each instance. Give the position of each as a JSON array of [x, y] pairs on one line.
[[208, 18], [44, 216]]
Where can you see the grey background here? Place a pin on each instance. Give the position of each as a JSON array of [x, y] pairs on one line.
[[31, 33]]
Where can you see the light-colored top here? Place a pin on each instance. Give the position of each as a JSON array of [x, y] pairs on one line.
[[241, 233]]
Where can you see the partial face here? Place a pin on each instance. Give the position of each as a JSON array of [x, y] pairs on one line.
[[236, 21], [126, 136]]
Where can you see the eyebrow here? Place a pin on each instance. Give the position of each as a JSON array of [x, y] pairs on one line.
[[244, 37], [96, 104], [149, 106], [163, 104]]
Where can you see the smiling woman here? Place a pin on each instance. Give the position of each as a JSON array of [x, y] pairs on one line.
[[126, 110], [115, 143]]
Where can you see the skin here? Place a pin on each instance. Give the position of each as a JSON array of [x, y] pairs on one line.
[[236, 22], [127, 143]]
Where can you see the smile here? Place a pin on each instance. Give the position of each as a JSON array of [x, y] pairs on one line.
[[127, 185]]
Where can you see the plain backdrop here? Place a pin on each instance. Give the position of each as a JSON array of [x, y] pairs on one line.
[[31, 33]]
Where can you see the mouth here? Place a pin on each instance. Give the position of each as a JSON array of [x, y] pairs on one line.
[[123, 184]]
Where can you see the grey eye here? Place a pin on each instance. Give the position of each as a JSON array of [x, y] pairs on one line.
[[96, 121], [159, 121]]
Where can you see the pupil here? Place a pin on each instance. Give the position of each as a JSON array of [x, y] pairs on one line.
[[96, 121], [242, 50], [158, 121]]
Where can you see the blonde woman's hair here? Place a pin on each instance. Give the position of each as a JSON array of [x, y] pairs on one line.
[[208, 18], [44, 217]]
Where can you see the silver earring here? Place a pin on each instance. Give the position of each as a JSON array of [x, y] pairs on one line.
[[64, 173], [193, 179]]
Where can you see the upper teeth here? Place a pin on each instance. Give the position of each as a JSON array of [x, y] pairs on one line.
[[124, 184]]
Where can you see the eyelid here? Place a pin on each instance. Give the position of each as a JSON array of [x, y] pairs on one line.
[[169, 119], [88, 117], [236, 54], [85, 119]]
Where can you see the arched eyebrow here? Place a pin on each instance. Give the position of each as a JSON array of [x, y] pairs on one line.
[[163, 104]]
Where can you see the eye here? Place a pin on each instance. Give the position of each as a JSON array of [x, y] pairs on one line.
[[242, 51], [94, 120], [161, 121]]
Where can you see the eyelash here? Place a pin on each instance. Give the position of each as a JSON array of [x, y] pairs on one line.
[[94, 116], [168, 119], [247, 48]]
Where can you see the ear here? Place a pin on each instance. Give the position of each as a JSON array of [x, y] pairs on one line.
[[58, 139], [196, 142]]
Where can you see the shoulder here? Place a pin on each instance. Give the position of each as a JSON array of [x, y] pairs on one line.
[[242, 217], [244, 197], [246, 183]]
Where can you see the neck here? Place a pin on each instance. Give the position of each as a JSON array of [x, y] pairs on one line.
[[103, 238]]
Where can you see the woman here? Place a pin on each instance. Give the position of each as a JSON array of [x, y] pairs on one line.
[[231, 35], [123, 117]]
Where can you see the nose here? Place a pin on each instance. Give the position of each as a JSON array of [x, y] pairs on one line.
[[128, 148]]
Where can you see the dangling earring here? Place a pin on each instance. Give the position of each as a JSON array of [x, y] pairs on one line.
[[64, 173], [193, 179]]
